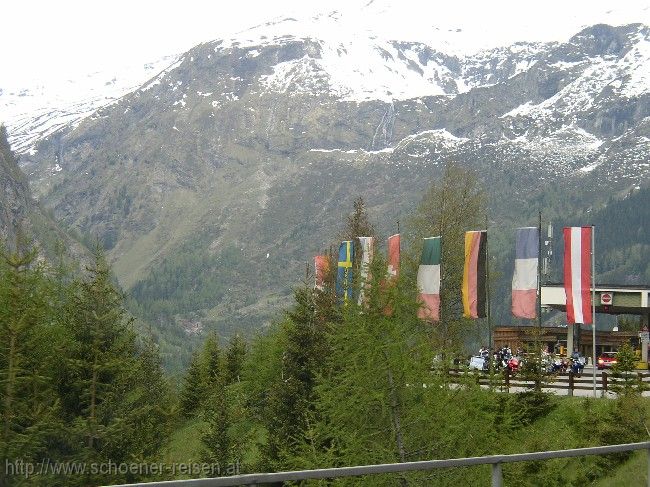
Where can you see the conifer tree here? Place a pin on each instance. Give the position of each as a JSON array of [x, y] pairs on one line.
[[305, 331], [235, 357], [358, 223], [193, 386], [204, 374], [291, 398], [216, 438], [29, 342], [212, 362], [107, 386], [363, 393]]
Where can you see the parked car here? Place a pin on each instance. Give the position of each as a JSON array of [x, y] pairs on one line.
[[606, 360]]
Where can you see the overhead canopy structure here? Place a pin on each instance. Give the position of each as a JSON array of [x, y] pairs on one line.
[[610, 299]]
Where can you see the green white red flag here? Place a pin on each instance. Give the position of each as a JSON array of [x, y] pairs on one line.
[[429, 279]]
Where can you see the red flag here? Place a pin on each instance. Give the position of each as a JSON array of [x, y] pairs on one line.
[[393, 255], [577, 274], [321, 264], [393, 267]]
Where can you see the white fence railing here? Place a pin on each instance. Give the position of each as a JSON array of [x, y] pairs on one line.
[[330, 473]]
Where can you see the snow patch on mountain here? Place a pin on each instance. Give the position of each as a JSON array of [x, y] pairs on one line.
[[35, 111], [636, 64], [363, 69]]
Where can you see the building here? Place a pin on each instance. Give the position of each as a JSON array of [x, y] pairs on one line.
[[555, 338]]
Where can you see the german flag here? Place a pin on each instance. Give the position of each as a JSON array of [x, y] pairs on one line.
[[475, 275]]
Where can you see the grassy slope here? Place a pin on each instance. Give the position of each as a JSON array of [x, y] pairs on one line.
[[569, 426], [633, 473], [558, 430], [185, 444]]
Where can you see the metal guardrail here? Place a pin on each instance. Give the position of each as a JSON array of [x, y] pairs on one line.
[[327, 473]]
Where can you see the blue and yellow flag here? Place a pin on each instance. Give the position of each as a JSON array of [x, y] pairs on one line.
[[344, 271]]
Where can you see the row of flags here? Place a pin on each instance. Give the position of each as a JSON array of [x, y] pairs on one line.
[[577, 273]]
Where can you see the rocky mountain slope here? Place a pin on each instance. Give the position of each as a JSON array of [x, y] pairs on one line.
[[214, 182], [37, 109], [23, 222]]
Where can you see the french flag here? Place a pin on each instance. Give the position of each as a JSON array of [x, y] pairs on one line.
[[577, 274], [524, 279]]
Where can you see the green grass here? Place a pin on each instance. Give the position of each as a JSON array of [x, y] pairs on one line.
[[185, 444], [632, 473]]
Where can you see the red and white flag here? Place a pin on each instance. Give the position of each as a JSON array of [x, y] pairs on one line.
[[321, 265], [577, 274], [367, 246], [393, 255]]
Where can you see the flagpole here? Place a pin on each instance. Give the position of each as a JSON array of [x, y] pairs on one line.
[[539, 273], [593, 303], [487, 282]]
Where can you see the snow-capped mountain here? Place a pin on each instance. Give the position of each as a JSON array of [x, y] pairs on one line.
[[37, 109], [370, 50]]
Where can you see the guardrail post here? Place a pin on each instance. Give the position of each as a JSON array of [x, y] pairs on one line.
[[497, 475], [648, 452], [571, 383], [604, 379]]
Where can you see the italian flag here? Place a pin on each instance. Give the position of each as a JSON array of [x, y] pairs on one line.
[[429, 280]]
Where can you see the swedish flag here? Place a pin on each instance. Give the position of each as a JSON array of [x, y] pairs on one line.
[[344, 271]]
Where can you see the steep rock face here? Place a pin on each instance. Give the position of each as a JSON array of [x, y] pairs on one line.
[[22, 220], [213, 183], [15, 198]]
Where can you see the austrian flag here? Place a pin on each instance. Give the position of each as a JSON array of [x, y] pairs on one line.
[[577, 274], [321, 265]]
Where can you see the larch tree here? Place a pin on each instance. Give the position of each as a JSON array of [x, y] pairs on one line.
[[451, 206]]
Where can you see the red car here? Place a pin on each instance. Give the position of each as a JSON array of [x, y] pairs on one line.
[[606, 360]]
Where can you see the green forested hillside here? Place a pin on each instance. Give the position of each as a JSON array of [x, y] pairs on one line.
[[623, 239]]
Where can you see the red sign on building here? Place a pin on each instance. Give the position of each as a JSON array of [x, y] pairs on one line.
[[606, 298]]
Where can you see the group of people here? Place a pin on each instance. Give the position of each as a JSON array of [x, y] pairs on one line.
[[499, 359], [503, 357], [557, 364]]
